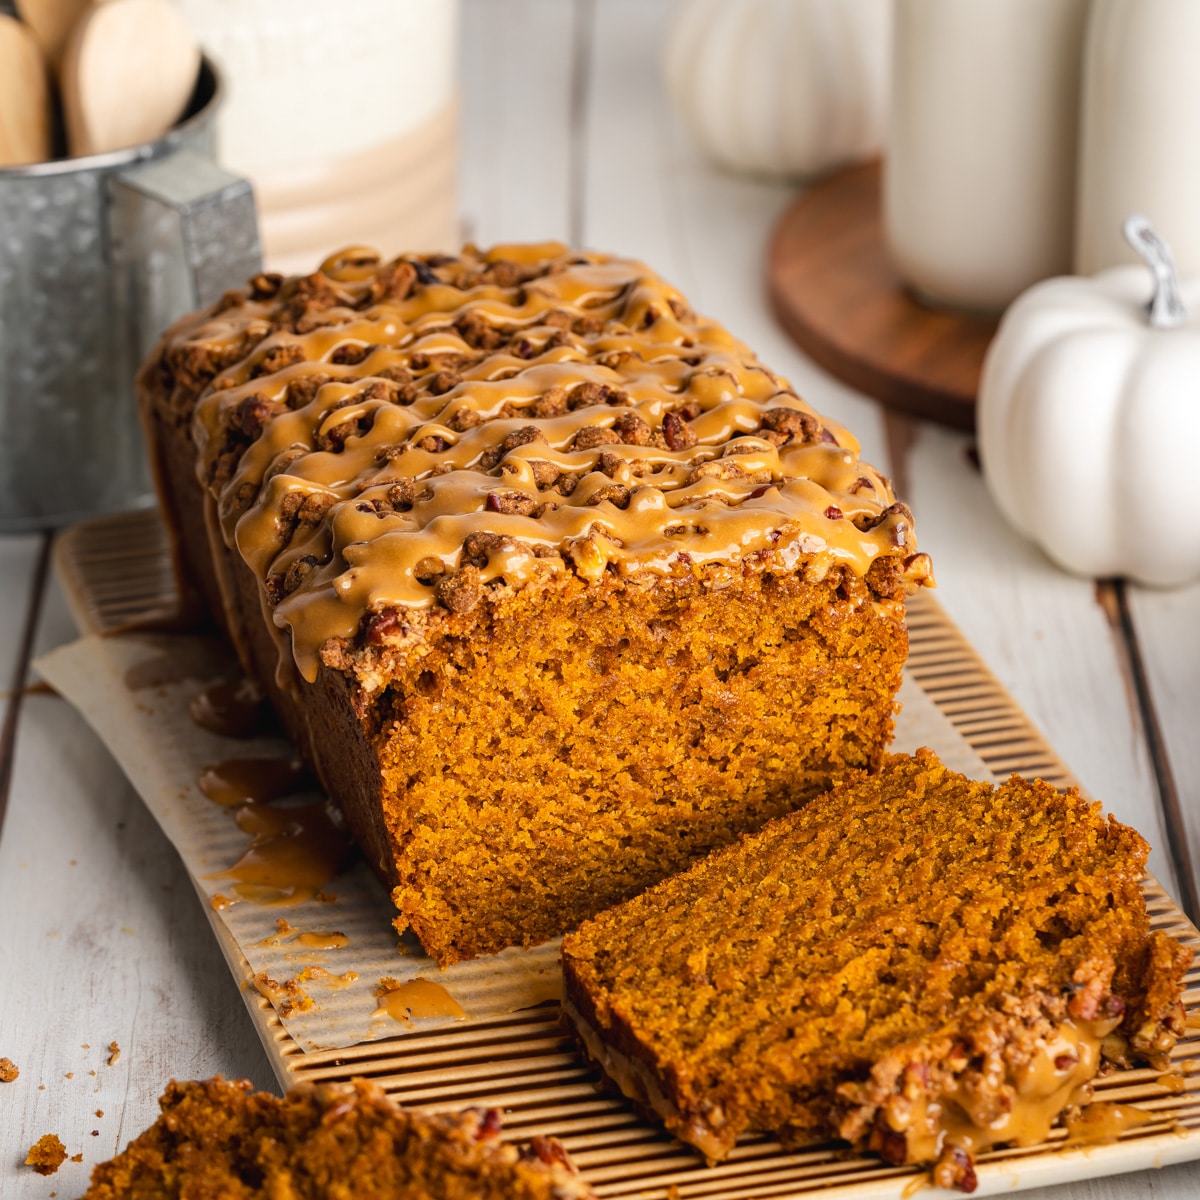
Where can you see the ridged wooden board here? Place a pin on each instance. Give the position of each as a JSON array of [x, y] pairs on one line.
[[116, 570], [835, 292]]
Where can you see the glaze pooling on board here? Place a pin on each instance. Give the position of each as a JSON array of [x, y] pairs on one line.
[[403, 435]]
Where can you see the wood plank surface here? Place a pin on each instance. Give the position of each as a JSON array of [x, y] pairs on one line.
[[518, 66], [111, 945], [1166, 626]]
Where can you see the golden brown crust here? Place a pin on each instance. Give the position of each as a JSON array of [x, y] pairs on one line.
[[326, 1142], [373, 434], [908, 942]]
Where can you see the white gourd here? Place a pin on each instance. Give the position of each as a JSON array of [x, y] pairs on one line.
[[1088, 419], [781, 87]]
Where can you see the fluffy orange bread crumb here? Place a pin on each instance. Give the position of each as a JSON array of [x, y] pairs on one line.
[[326, 1142], [47, 1154], [554, 584], [920, 964]]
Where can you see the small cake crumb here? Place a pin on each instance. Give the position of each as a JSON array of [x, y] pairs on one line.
[[77, 1157], [114, 1054], [47, 1154], [207, 1140], [69, 1075], [99, 1112], [288, 997], [8, 1070]]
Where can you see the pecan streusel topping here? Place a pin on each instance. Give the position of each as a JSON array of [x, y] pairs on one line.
[[411, 433]]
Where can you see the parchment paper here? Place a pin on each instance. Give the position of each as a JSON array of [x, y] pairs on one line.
[[134, 690]]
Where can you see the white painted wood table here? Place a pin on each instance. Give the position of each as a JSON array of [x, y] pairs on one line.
[[567, 135]]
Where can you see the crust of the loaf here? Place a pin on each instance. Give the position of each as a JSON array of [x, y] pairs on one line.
[[352, 712]]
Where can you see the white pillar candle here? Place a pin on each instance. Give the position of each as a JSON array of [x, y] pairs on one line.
[[1139, 139], [979, 178]]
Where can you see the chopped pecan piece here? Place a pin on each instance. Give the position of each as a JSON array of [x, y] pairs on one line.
[[305, 508], [955, 1169], [403, 494], [478, 547], [384, 624], [250, 415], [518, 503], [425, 273], [544, 473], [477, 331], [592, 436], [442, 381], [717, 468], [335, 437], [264, 285], [552, 403], [429, 569], [632, 430], [617, 493], [521, 437], [393, 282], [464, 418], [549, 1151], [504, 273], [460, 592], [792, 424], [490, 1120], [303, 390], [350, 353], [678, 434], [396, 373], [585, 395], [278, 357], [297, 573]]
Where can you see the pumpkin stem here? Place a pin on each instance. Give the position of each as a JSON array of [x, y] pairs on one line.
[[1165, 308]]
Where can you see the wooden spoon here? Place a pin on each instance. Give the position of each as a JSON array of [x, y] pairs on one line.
[[24, 97], [51, 22], [127, 73]]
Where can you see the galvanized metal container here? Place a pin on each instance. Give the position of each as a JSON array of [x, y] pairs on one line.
[[97, 256]]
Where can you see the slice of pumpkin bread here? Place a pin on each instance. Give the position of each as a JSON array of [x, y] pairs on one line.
[[326, 1142], [923, 965]]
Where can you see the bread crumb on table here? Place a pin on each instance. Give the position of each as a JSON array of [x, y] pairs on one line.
[[114, 1054], [47, 1154], [8, 1070]]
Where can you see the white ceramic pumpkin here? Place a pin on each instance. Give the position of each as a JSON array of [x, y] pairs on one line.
[[781, 87], [1089, 419]]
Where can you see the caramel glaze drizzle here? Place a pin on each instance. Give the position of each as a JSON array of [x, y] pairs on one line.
[[569, 407]]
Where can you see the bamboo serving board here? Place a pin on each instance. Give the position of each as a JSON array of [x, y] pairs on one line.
[[116, 569], [835, 292]]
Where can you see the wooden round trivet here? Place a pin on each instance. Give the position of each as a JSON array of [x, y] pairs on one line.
[[836, 294]]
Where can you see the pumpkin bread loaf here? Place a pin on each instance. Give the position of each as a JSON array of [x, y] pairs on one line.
[[920, 964], [326, 1142], [553, 583]]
